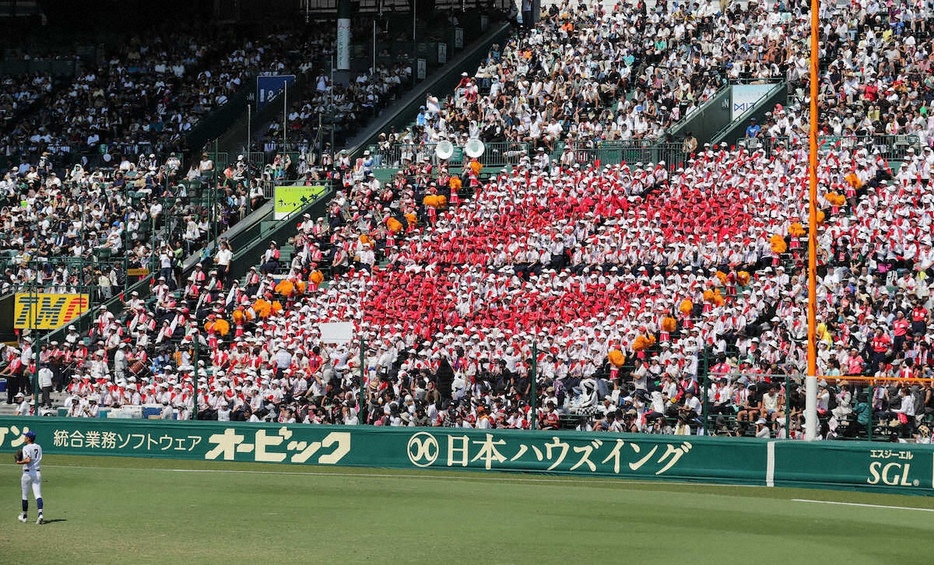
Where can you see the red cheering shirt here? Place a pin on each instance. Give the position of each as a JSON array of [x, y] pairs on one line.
[[880, 343], [900, 327], [314, 363], [919, 314]]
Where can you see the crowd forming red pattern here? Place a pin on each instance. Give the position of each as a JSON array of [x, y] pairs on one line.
[[625, 277]]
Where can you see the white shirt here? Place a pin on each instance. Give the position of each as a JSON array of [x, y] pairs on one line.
[[23, 409], [32, 453], [224, 256], [907, 406], [694, 404], [45, 377]]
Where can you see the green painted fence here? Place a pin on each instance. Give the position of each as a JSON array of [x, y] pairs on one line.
[[899, 468]]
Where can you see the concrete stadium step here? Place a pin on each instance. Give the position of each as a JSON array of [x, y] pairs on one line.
[[58, 401]]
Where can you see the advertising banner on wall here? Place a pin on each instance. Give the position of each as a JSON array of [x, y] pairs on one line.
[[745, 97], [268, 88], [407, 448], [291, 198], [343, 44], [47, 311], [895, 468]]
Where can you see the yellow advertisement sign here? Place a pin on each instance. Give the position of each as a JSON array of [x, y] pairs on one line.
[[291, 198], [47, 311]]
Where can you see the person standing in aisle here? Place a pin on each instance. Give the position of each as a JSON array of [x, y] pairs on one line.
[[222, 262]]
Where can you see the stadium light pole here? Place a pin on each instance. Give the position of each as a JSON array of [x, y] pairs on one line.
[[810, 381]]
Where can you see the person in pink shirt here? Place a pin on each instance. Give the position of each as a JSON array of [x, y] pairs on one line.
[[900, 327]]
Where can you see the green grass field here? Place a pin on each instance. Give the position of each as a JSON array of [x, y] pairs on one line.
[[114, 510]]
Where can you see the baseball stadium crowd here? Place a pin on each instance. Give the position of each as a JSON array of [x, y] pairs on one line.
[[345, 108], [595, 78], [147, 96], [640, 296], [19, 93], [134, 194]]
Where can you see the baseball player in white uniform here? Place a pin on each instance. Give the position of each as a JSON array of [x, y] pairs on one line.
[[30, 460]]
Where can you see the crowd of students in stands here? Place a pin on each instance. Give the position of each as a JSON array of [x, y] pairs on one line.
[[627, 287]]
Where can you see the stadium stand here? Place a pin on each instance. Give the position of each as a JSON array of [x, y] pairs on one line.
[[659, 297], [114, 179]]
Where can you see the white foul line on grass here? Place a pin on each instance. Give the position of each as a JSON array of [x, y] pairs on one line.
[[862, 505]]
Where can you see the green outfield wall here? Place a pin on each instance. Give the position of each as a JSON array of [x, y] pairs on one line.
[[881, 467]]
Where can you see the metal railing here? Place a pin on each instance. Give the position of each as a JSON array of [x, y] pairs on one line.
[[495, 154], [75, 274], [630, 152], [266, 232], [508, 153], [675, 128], [373, 6], [849, 407], [890, 147]]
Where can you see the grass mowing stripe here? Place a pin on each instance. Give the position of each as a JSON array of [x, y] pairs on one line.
[[862, 505]]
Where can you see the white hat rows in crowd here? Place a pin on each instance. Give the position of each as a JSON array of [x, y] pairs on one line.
[[452, 294], [609, 280]]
